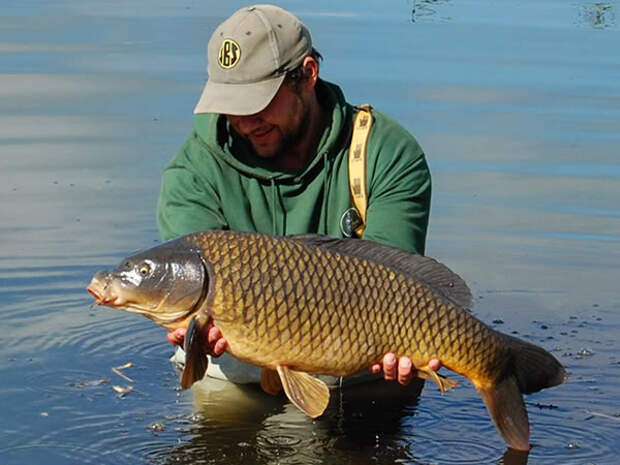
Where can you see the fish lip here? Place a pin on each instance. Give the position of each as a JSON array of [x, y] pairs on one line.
[[98, 287], [100, 298]]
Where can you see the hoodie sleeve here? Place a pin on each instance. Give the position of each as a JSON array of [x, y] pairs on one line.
[[187, 202], [399, 188]]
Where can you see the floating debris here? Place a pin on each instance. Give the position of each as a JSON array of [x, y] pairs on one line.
[[91, 383], [157, 427], [543, 406], [196, 418], [615, 417], [122, 391], [585, 353], [117, 371], [572, 445], [45, 414]]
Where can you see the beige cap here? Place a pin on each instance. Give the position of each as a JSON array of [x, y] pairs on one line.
[[248, 57]]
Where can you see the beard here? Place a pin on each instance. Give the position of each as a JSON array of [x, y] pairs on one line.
[[290, 139], [294, 137]]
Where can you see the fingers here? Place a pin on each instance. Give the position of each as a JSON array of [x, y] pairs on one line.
[[177, 336], [389, 366], [217, 344], [400, 369], [405, 370], [434, 364], [397, 369], [220, 347], [213, 333]]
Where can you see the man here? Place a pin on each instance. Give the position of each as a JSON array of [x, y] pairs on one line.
[[268, 154]]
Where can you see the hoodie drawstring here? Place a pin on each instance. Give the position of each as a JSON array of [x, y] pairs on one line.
[[326, 178], [273, 207]]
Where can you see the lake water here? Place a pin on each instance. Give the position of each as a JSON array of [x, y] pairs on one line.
[[517, 105]]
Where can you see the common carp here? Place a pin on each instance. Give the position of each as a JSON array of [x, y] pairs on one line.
[[312, 304]]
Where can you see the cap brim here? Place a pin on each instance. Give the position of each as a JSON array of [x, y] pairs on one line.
[[237, 99]]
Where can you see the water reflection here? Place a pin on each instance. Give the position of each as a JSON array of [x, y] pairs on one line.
[[598, 15], [374, 423], [514, 457], [362, 424]]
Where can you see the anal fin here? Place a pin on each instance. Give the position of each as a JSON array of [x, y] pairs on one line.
[[444, 384], [309, 394]]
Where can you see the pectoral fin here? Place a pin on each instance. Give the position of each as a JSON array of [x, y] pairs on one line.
[[308, 393], [270, 381], [444, 384], [196, 361]]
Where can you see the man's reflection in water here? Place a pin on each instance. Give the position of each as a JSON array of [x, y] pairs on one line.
[[514, 457], [362, 424]]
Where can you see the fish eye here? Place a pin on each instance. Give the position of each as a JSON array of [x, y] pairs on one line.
[[145, 269]]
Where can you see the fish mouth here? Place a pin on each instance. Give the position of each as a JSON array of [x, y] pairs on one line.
[[99, 299], [102, 290], [99, 288], [105, 299]]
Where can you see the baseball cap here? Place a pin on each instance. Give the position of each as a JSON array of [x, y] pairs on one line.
[[248, 57]]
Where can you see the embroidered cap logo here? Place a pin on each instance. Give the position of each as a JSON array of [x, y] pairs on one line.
[[229, 55]]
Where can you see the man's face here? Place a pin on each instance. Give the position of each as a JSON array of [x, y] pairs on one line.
[[277, 129]]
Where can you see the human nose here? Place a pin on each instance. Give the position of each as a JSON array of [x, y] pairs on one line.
[[246, 124]]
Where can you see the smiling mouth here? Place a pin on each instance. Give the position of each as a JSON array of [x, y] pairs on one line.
[[261, 134]]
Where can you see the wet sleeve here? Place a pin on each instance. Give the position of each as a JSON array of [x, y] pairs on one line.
[[399, 195], [187, 202]]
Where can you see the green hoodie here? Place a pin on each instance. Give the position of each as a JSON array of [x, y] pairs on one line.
[[217, 182]]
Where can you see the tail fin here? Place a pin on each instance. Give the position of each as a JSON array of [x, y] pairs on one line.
[[506, 407], [533, 366], [196, 361], [528, 369]]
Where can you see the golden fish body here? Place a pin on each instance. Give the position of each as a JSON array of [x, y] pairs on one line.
[[280, 301], [311, 304]]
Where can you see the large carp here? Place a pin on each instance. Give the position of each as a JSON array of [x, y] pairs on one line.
[[312, 304]]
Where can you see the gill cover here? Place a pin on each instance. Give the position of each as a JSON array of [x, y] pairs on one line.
[[165, 283]]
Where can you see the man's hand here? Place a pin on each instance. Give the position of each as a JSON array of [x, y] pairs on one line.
[[216, 343], [399, 369]]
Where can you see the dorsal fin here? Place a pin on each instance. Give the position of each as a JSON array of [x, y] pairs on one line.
[[425, 270]]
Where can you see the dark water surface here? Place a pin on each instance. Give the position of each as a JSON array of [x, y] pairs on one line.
[[517, 105]]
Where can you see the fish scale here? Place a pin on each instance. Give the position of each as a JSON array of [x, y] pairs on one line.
[[313, 304], [367, 300]]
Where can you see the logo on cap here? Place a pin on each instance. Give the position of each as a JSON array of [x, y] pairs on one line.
[[229, 55]]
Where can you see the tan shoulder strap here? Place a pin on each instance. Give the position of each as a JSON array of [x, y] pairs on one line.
[[357, 163]]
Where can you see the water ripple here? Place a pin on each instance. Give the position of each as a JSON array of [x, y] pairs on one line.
[[63, 451]]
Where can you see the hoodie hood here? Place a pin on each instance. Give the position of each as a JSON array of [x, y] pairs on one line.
[[215, 132]]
